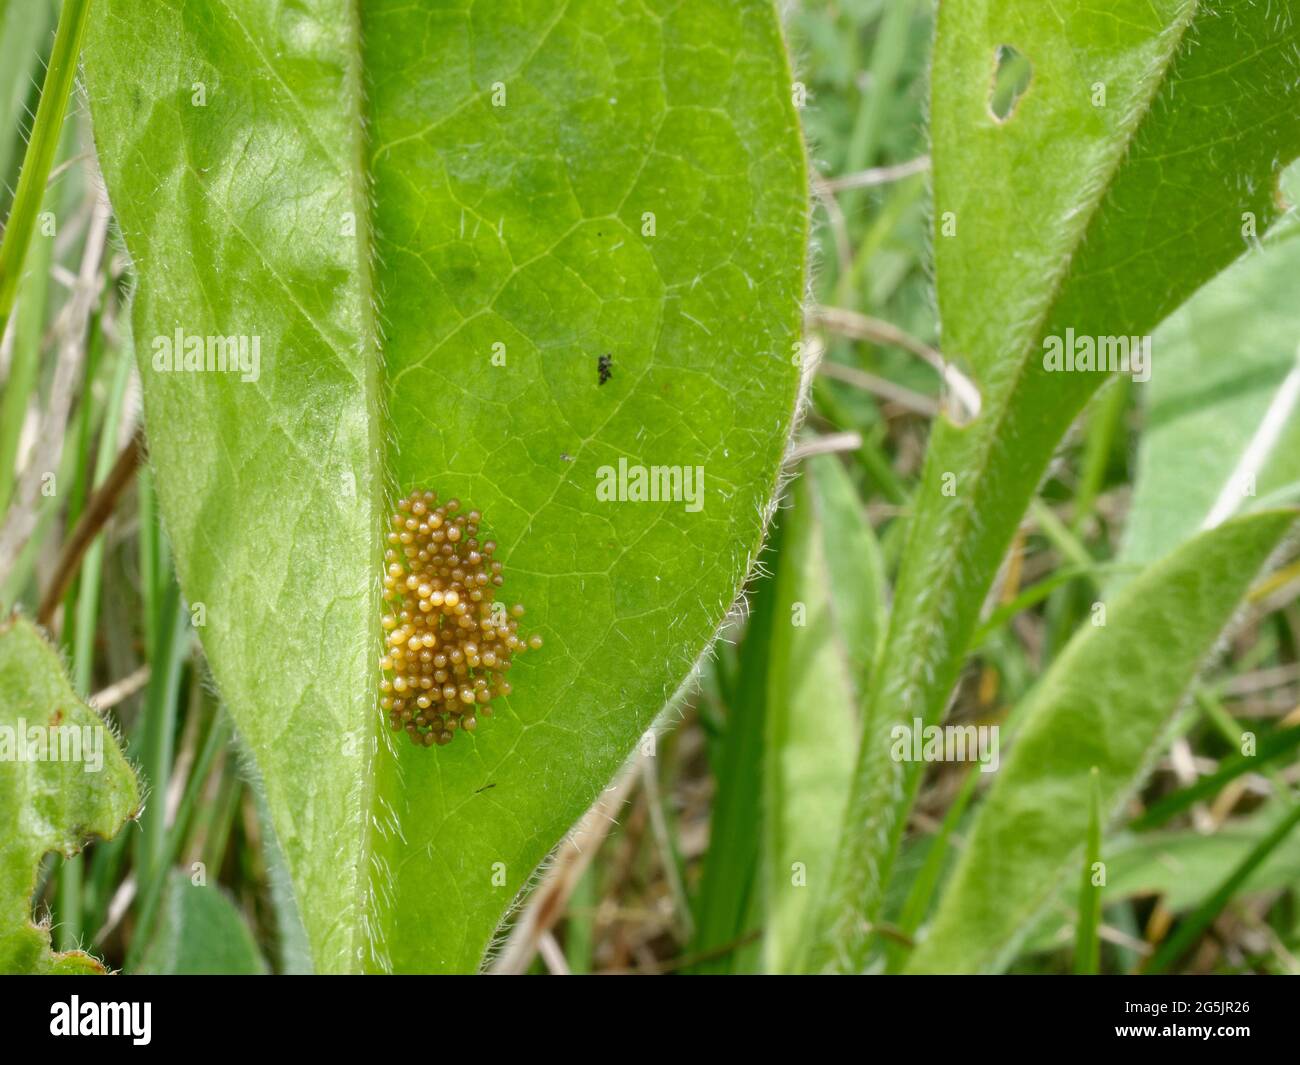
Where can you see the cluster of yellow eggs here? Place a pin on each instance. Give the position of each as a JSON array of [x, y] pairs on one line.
[[448, 644]]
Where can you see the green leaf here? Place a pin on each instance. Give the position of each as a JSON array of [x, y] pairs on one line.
[[349, 192], [1107, 702], [1190, 928], [1076, 212], [827, 622], [1272, 746], [200, 932], [1223, 405], [293, 950], [1087, 942], [1183, 867], [929, 873], [62, 778]]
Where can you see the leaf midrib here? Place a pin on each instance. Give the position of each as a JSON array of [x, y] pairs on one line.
[[361, 187], [364, 156]]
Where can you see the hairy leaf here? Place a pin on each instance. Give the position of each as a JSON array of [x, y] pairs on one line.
[[1114, 187], [1106, 702], [62, 778], [438, 217]]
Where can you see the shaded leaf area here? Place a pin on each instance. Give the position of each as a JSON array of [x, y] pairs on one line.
[[829, 615], [438, 219], [1115, 189], [63, 778], [199, 931], [1106, 702]]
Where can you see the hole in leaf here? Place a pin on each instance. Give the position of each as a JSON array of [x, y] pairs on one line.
[[1010, 80]]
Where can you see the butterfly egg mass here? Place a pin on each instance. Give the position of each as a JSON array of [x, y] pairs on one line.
[[448, 644]]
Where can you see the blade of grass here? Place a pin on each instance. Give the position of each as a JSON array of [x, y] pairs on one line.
[[28, 327], [580, 924], [886, 63], [1191, 927], [150, 590], [77, 639], [1270, 748], [1217, 714], [87, 418], [1035, 594], [875, 462], [723, 905], [1060, 536], [217, 827], [158, 735], [24, 25], [1105, 430], [41, 148], [899, 200], [84, 608], [219, 733]]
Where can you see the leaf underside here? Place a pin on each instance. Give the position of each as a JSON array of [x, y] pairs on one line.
[[389, 195]]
